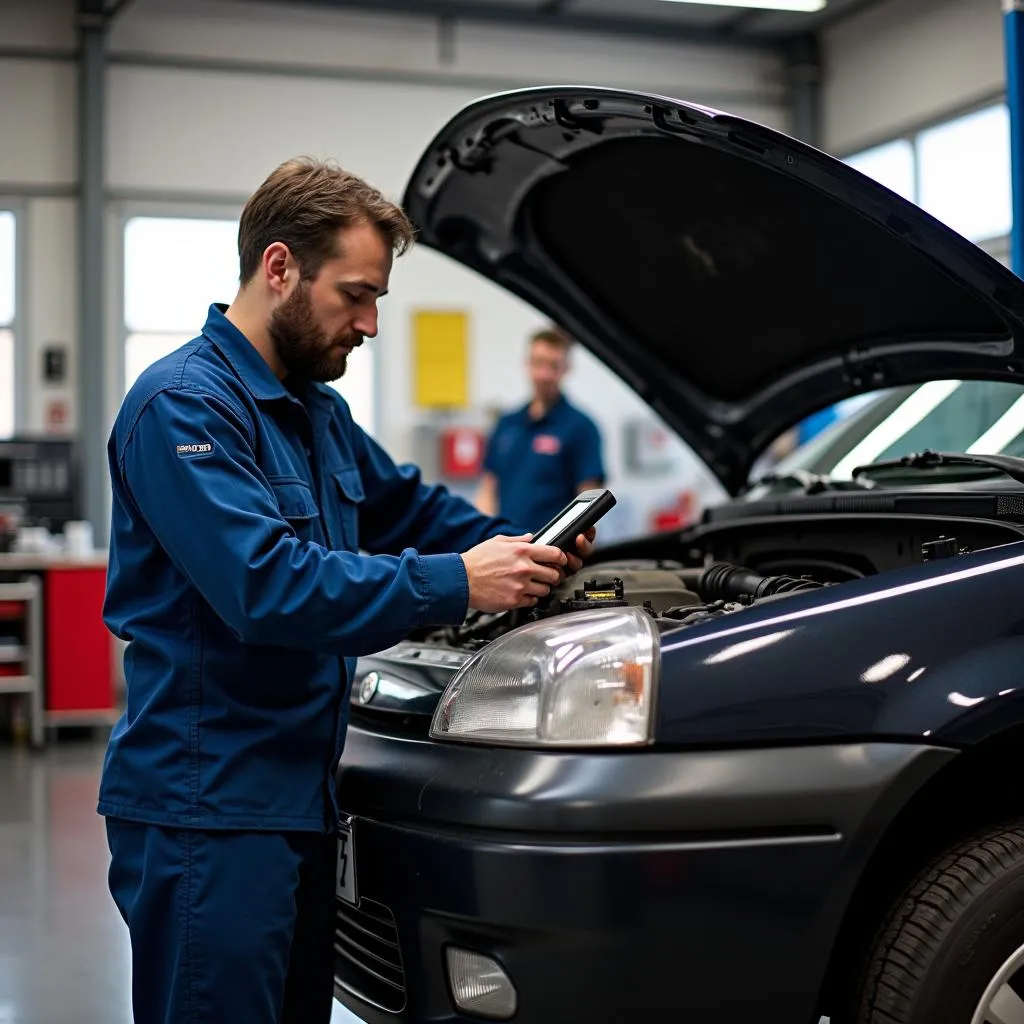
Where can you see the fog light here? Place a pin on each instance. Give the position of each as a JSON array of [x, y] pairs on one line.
[[479, 985]]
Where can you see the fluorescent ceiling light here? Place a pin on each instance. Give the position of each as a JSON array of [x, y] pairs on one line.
[[808, 6], [1002, 432], [899, 422]]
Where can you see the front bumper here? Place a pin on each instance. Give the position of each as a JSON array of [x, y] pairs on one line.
[[612, 886]]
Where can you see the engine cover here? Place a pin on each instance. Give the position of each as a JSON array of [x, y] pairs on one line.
[[662, 588]]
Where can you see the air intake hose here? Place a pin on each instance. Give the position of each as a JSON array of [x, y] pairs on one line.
[[724, 582]]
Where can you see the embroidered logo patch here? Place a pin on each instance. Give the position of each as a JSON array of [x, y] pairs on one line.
[[185, 451], [547, 444]]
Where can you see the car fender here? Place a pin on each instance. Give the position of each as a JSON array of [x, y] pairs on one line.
[[905, 654]]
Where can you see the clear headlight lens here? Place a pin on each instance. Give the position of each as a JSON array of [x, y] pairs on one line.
[[583, 679]]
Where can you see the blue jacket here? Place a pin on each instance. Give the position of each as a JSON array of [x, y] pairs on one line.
[[239, 508]]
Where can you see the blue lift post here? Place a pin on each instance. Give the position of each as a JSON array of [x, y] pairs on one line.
[[1013, 19]]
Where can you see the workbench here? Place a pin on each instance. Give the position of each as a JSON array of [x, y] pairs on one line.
[[57, 650]]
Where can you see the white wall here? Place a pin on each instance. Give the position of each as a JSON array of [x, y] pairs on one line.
[[907, 62], [206, 96], [302, 37], [51, 314], [43, 25]]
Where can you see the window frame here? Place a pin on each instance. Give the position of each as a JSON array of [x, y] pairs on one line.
[[16, 205], [129, 210]]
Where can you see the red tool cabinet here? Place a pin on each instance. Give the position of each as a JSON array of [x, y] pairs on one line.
[[78, 664], [73, 678]]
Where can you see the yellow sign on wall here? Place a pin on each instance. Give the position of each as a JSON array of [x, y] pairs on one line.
[[440, 359]]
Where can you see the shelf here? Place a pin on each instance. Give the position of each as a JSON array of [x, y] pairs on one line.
[[17, 684], [10, 652]]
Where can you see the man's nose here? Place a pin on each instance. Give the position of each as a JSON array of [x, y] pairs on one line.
[[366, 324]]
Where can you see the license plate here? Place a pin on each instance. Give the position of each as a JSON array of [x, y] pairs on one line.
[[345, 883]]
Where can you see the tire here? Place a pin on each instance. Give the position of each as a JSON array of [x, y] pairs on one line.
[[949, 936]]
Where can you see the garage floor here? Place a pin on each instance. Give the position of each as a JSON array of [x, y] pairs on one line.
[[64, 955]]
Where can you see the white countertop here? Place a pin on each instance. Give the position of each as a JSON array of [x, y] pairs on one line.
[[10, 562]]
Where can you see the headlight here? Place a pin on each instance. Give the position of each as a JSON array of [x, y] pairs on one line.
[[583, 679]]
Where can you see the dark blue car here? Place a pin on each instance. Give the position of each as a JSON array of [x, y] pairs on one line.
[[768, 768]]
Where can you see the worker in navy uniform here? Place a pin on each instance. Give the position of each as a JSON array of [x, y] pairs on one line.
[[540, 456], [260, 542]]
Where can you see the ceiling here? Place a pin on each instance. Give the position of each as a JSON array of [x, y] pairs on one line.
[[685, 22]]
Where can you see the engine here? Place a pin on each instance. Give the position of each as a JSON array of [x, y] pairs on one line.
[[673, 595]]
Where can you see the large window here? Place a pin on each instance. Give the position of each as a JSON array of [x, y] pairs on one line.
[[892, 165], [959, 171], [175, 267], [8, 308], [964, 173]]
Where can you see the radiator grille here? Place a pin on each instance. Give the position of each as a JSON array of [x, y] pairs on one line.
[[367, 960]]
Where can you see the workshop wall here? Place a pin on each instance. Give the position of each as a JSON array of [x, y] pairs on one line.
[[901, 64], [205, 97], [240, 87]]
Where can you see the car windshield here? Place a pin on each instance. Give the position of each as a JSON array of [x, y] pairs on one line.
[[976, 417]]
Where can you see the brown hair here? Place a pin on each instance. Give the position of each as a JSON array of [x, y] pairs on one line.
[[553, 336], [303, 203]]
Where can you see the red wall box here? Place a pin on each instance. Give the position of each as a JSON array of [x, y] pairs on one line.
[[79, 653], [462, 452]]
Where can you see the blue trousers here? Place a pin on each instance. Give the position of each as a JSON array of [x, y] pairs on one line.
[[226, 926]]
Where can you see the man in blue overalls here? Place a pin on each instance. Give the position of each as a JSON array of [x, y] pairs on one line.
[[540, 456], [243, 496]]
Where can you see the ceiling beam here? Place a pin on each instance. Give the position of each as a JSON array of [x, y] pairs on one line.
[[549, 16]]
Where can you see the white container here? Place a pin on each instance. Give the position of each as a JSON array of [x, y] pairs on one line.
[[33, 540], [78, 539]]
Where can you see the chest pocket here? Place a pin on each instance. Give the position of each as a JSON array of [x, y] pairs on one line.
[[298, 506], [349, 487], [548, 459]]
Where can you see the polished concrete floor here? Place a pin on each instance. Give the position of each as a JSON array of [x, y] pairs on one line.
[[64, 955]]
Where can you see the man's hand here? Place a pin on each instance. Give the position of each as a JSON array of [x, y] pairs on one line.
[[585, 547], [510, 572]]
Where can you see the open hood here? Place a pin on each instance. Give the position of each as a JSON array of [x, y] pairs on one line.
[[735, 277]]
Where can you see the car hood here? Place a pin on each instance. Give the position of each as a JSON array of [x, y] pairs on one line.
[[736, 278]]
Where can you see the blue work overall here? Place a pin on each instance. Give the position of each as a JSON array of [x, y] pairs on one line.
[[241, 505]]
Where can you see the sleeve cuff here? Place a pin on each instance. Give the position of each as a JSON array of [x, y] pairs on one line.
[[446, 587]]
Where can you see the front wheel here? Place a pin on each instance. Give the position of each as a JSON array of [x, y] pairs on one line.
[[952, 950]]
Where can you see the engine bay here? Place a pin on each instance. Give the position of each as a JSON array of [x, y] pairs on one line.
[[721, 568], [672, 594]]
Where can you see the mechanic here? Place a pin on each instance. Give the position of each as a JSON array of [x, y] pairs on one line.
[[539, 457], [261, 541]]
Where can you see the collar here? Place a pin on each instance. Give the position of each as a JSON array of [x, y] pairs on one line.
[[251, 367], [548, 414]]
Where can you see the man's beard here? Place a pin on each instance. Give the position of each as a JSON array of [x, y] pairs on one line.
[[302, 346]]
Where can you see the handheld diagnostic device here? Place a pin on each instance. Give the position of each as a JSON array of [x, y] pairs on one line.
[[577, 517]]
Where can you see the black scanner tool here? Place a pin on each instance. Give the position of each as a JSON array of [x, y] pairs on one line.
[[577, 517]]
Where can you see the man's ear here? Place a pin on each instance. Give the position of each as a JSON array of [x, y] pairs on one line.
[[279, 268]]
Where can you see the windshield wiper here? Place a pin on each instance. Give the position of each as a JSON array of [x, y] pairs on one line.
[[811, 483], [1009, 465]]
